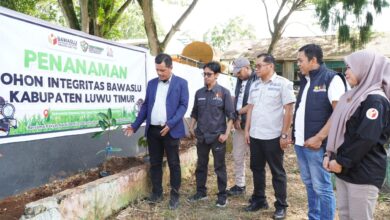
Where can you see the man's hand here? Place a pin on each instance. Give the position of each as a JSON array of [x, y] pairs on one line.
[[284, 142], [237, 124], [313, 142], [164, 131], [128, 131], [325, 163], [222, 138], [247, 137], [335, 167]]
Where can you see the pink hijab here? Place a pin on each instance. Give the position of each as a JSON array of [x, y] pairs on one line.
[[372, 71]]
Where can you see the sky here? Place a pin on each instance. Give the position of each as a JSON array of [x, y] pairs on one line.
[[208, 13]]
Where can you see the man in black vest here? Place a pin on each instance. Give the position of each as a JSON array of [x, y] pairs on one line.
[[320, 89]]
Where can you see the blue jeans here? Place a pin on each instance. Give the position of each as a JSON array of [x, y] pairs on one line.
[[321, 200]]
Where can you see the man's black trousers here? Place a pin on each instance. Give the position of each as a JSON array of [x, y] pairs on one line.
[[157, 145], [219, 150], [262, 152]]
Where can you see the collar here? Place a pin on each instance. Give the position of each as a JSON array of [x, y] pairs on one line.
[[214, 89], [316, 72], [274, 75], [166, 81]]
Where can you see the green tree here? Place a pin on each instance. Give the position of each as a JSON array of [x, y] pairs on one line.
[[156, 46], [220, 36], [43, 9], [23, 6], [96, 17], [345, 15], [353, 19]]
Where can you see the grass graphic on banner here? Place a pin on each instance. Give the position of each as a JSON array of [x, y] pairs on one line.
[[62, 120]]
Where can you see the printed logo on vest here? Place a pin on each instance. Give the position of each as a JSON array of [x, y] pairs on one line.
[[321, 88], [372, 114]]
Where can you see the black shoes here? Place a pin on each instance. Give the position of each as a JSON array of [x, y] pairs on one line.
[[174, 202], [236, 190], [154, 198], [280, 213], [255, 206], [197, 197], [221, 202]]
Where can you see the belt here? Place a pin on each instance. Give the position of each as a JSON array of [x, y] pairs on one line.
[[157, 126]]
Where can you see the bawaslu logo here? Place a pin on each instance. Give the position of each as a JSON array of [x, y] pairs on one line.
[[62, 41]]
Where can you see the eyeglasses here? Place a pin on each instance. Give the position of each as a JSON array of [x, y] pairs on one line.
[[258, 66], [207, 74]]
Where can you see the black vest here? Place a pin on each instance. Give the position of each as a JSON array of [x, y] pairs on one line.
[[251, 79], [318, 108]]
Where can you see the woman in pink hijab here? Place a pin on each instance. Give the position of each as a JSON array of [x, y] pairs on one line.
[[360, 126]]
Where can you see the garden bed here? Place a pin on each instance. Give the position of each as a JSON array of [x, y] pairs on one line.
[[13, 207]]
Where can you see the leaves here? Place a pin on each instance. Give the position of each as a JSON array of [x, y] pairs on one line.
[[105, 123], [103, 116], [142, 141], [347, 16], [221, 35]]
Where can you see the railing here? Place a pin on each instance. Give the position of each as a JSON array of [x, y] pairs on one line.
[[186, 60]]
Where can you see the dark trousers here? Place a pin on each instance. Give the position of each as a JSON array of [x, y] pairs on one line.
[[269, 151], [156, 145], [203, 150]]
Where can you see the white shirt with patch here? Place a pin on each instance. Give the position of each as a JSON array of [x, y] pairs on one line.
[[268, 99]]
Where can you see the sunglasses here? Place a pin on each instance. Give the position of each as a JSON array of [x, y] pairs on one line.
[[207, 74]]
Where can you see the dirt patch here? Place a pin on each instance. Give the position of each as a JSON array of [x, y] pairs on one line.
[[13, 207]]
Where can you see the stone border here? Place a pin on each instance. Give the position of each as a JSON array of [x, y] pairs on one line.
[[103, 197]]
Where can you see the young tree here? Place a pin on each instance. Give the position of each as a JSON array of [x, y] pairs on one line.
[[220, 36], [155, 45]]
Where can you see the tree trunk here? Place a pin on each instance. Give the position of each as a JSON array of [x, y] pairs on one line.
[[155, 45], [177, 25], [274, 39], [94, 28], [69, 13], [279, 25], [84, 15], [150, 26]]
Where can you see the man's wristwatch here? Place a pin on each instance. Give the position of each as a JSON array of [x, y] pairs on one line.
[[284, 136]]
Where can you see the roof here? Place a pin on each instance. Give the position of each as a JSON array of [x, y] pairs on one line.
[[286, 48]]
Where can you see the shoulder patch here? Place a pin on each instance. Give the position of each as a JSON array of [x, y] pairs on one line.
[[372, 114]]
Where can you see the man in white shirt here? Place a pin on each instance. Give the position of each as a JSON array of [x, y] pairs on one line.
[[271, 101]]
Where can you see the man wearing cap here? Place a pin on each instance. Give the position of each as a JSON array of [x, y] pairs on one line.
[[270, 107], [245, 77]]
